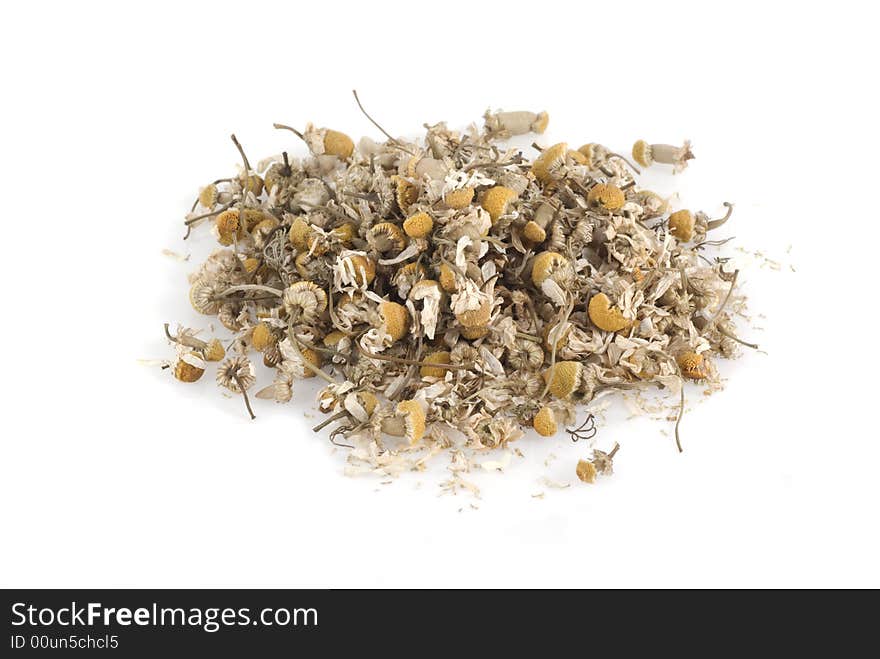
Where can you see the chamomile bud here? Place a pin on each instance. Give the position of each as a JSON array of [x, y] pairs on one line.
[[604, 316], [395, 319], [189, 367], [458, 199], [586, 471], [262, 337], [496, 200], [544, 422], [548, 163], [563, 378], [681, 225], [386, 237], [418, 225], [692, 365], [438, 357], [214, 351], [606, 196], [647, 154], [516, 123]]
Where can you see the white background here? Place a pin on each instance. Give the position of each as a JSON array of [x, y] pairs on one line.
[[113, 474]]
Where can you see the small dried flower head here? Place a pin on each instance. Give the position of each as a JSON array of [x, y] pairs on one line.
[[203, 296], [229, 229], [332, 339], [438, 357], [189, 367], [516, 123], [691, 365], [577, 157], [647, 154], [458, 199], [474, 333], [344, 233], [385, 236], [586, 471], [208, 196], [407, 193], [362, 267], [414, 419], [299, 233], [306, 299], [338, 144], [496, 200], [313, 357], [447, 278], [681, 225], [418, 225], [564, 378], [545, 165], [214, 351], [606, 196], [545, 422], [594, 154], [478, 317], [533, 232], [551, 265], [395, 319], [262, 337], [253, 184], [368, 401], [604, 316], [652, 203], [250, 264], [236, 374]]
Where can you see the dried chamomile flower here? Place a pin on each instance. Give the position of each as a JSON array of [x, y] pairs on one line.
[[606, 197], [551, 267], [385, 237], [395, 320], [204, 296], [647, 154], [563, 378], [544, 422], [681, 225], [586, 471], [516, 123], [407, 193], [214, 351], [437, 357], [238, 375], [229, 229], [534, 233], [338, 144], [546, 165], [606, 317], [458, 199], [496, 200], [189, 367], [418, 225], [305, 300], [692, 365], [357, 269], [262, 337], [208, 196]]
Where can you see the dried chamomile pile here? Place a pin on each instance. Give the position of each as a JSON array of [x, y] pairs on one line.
[[451, 291]]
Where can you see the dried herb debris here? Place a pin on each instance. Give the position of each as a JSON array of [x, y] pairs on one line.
[[451, 291]]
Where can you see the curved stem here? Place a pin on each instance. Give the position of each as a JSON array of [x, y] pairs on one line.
[[714, 224], [291, 129], [189, 341], [407, 362], [247, 165], [328, 421], [384, 132], [247, 403], [723, 304]]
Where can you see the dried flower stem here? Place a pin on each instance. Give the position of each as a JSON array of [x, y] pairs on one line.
[[247, 402], [375, 123]]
